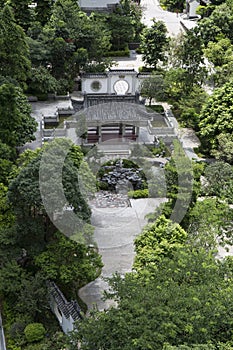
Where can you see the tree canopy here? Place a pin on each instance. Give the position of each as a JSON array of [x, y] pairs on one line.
[[153, 43], [14, 50], [186, 302], [16, 124], [216, 116]]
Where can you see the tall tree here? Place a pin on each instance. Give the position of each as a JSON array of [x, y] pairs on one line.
[[153, 87], [16, 124], [187, 53], [216, 116], [153, 43], [22, 12], [14, 51]]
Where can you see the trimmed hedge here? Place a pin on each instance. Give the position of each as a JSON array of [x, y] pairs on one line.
[[120, 53], [34, 332], [139, 194]]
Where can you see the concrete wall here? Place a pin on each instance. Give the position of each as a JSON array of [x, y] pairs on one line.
[[97, 3], [107, 83], [87, 85], [192, 6]]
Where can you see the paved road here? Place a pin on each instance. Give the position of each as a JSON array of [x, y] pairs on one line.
[[173, 21], [152, 9]]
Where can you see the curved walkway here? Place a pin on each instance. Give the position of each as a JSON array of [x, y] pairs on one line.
[[115, 231]]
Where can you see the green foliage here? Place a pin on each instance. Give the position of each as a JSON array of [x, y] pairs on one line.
[[191, 347], [153, 43], [139, 194], [218, 181], [189, 106], [80, 264], [124, 25], [216, 116], [224, 152], [16, 124], [173, 5], [14, 51], [188, 301], [119, 53], [22, 12], [25, 191], [218, 25], [153, 88], [157, 241], [210, 224], [186, 53], [34, 332], [41, 81]]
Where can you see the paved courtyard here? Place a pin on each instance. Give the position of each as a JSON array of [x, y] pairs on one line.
[[115, 231]]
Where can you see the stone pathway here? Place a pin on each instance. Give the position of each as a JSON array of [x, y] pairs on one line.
[[106, 199], [115, 231]]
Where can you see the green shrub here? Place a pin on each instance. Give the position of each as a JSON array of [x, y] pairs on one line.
[[139, 194], [145, 69], [34, 332], [120, 53]]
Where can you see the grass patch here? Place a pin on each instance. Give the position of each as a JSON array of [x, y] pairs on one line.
[[158, 124]]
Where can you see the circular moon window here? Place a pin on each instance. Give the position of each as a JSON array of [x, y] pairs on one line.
[[95, 85], [121, 87]]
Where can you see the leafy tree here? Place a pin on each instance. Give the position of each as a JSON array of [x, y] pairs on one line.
[[124, 24], [153, 87], [7, 156], [80, 264], [156, 242], [175, 82], [216, 116], [218, 25], [224, 151], [39, 52], [153, 43], [187, 54], [172, 5], [41, 81], [218, 181], [16, 124], [186, 302], [122, 31], [14, 51], [210, 224], [219, 52], [43, 11], [189, 106], [22, 12], [219, 346], [134, 11], [34, 220], [74, 39]]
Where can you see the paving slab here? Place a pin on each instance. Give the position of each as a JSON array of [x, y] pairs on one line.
[[115, 231]]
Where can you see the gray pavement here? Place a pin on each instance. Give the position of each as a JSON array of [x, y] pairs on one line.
[[115, 231], [152, 9], [46, 108]]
